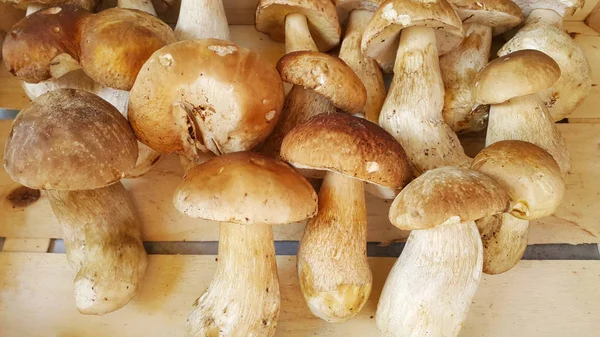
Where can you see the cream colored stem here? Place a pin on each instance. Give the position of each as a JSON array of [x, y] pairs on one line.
[[142, 5], [34, 8], [297, 34], [504, 242], [334, 273], [243, 297], [202, 19], [547, 16], [429, 290], [367, 69], [188, 164], [412, 111], [103, 241], [459, 68]]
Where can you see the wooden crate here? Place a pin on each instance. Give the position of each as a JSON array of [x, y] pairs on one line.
[[537, 298]]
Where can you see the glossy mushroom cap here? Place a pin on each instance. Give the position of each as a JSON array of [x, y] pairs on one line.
[[205, 95], [246, 188], [69, 139], [327, 75], [350, 146], [521, 73], [444, 193], [90, 5], [344, 7], [116, 42], [321, 14], [562, 7], [501, 15]]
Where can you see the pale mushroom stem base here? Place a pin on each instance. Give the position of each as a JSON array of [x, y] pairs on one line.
[[202, 19], [297, 34], [103, 242], [430, 287], [504, 240], [142, 5], [334, 273], [243, 297]]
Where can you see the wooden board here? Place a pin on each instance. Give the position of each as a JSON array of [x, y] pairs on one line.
[[593, 20]]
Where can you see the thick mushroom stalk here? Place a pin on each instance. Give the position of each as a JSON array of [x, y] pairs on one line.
[[141, 5], [202, 19], [504, 239]]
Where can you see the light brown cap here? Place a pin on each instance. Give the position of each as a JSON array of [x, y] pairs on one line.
[[562, 7], [344, 7], [116, 42], [349, 145], [246, 188], [321, 14], [69, 139], [205, 95], [38, 40], [380, 40], [90, 5], [328, 75], [529, 174], [501, 15], [440, 194], [521, 73]]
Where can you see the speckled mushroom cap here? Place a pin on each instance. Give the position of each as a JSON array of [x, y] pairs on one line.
[[446, 192], [116, 42], [348, 145], [344, 7], [501, 15], [69, 139], [205, 95], [90, 5], [321, 14], [327, 75], [246, 188], [562, 7]]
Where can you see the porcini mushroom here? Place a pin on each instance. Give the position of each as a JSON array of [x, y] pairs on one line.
[[459, 67], [248, 193], [202, 20], [332, 260], [430, 287], [77, 147]]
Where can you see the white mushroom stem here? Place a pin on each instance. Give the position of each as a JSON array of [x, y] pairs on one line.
[[201, 19], [103, 241], [429, 290], [504, 240], [243, 297], [412, 111], [459, 68], [297, 34], [334, 273], [142, 5], [367, 69], [34, 8]]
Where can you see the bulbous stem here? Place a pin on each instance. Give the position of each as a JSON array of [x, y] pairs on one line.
[[202, 19], [243, 297], [103, 241], [334, 273], [546, 16], [504, 240], [142, 5], [297, 34]]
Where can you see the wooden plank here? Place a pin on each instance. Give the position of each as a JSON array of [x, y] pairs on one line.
[[581, 14], [578, 27], [32, 245], [590, 45], [593, 20]]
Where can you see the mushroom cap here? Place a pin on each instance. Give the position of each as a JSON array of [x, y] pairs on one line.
[[501, 15], [116, 42], [529, 174], [344, 7], [90, 5], [69, 139], [442, 193], [562, 7], [521, 73], [246, 188], [348, 145], [205, 95], [321, 14], [380, 39], [36, 41], [328, 75]]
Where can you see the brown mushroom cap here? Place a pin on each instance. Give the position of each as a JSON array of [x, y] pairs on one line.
[[90, 5], [521, 73], [501, 15], [529, 174], [69, 139], [348, 145], [205, 95], [37, 40], [562, 7], [246, 188], [116, 42], [321, 14], [444, 193], [328, 75]]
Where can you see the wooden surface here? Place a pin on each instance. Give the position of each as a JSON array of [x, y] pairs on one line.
[[593, 20]]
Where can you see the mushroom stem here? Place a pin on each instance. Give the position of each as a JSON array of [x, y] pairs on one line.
[[336, 278], [142, 5], [297, 34], [430, 287], [103, 241], [504, 242], [243, 297], [367, 69], [412, 111], [34, 8], [459, 68], [201, 19], [547, 16]]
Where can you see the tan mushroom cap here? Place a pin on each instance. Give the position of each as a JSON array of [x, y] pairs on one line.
[[205, 95], [90, 5], [348, 145], [381, 37], [344, 7], [562, 7], [521, 73], [321, 14], [116, 42], [69, 139], [328, 75], [246, 188], [501, 15], [446, 192], [37, 40], [529, 174]]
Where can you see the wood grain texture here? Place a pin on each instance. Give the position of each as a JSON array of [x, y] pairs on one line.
[[34, 245], [593, 20]]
